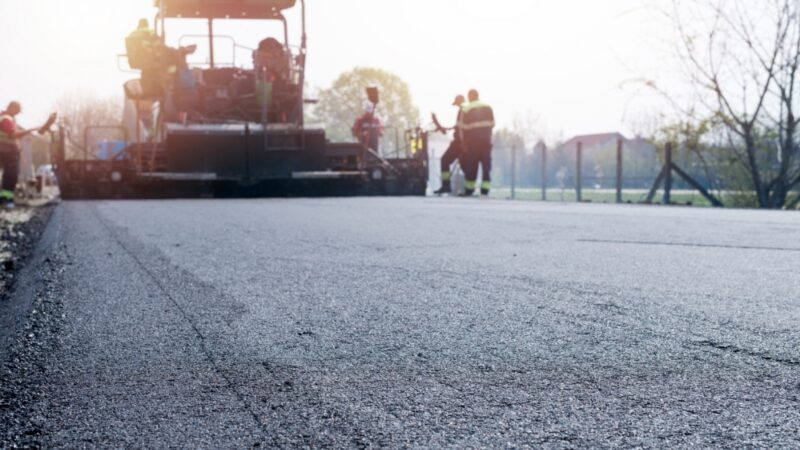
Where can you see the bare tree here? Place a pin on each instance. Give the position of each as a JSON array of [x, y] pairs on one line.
[[82, 111], [743, 62], [785, 83]]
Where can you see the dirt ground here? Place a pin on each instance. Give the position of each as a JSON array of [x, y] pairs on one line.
[[19, 231]]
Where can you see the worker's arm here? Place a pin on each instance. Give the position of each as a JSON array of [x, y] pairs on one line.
[[379, 123], [461, 122], [23, 133], [357, 128]]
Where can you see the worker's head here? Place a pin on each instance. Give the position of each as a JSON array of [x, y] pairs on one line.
[[13, 108], [143, 24], [473, 95], [459, 100], [270, 45]]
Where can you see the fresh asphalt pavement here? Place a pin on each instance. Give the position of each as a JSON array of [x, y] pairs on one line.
[[421, 323]]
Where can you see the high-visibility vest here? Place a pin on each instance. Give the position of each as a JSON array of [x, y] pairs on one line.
[[417, 145], [146, 37], [145, 34], [476, 122], [5, 138]]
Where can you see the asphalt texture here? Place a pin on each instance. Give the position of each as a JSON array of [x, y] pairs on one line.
[[423, 323]]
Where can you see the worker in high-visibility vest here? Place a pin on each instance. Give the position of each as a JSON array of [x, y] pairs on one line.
[[10, 152], [146, 49], [476, 126], [454, 151], [417, 145], [145, 38], [158, 62]]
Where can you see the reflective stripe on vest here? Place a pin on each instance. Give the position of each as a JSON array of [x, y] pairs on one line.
[[464, 123], [473, 105], [147, 37], [476, 125], [5, 138]]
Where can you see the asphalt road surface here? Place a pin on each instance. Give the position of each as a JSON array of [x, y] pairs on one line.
[[422, 323]]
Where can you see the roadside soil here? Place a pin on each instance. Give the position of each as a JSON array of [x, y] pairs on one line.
[[20, 229]]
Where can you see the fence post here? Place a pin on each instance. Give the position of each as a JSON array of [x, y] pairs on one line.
[[544, 173], [619, 170], [668, 174], [579, 173], [62, 146], [514, 172]]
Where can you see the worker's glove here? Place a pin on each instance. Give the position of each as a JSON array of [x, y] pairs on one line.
[[50, 122]]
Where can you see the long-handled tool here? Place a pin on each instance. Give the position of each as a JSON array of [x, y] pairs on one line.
[[373, 94], [439, 127], [47, 125], [41, 130]]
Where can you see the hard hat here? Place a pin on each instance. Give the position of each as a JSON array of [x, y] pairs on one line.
[[459, 100]]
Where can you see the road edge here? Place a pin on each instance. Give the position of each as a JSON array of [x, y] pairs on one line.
[[30, 319]]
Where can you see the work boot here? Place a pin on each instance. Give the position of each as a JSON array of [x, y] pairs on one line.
[[467, 193], [445, 189], [485, 187], [7, 199]]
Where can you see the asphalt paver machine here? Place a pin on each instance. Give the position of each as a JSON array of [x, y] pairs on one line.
[[228, 130]]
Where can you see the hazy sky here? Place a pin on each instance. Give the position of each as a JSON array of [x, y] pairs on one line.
[[566, 61]]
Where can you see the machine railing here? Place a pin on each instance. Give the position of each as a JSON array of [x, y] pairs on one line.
[[234, 47], [87, 142]]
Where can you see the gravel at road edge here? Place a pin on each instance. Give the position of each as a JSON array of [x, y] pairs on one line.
[[30, 316]]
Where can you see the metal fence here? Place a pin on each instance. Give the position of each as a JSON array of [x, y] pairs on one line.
[[568, 175], [668, 179]]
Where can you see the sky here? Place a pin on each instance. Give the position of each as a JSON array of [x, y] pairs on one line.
[[567, 66]]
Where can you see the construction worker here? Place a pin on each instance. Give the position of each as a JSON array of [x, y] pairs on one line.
[[368, 128], [10, 152], [143, 39], [272, 57], [149, 50], [143, 53], [454, 151], [158, 62], [476, 125], [272, 64]]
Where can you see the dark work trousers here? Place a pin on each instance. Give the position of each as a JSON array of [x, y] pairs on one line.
[[477, 154], [9, 158], [454, 152]]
